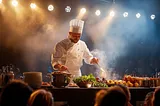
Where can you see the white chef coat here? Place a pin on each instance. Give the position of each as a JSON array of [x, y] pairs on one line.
[[71, 55]]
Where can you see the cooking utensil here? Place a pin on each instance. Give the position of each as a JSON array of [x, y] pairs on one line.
[[60, 79], [102, 71], [67, 71]]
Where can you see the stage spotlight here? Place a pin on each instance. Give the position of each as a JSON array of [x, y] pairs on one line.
[[138, 15], [50, 8], [15, 3], [33, 5], [83, 10], [153, 16], [68, 9], [98, 12], [0, 1], [125, 14], [112, 13]]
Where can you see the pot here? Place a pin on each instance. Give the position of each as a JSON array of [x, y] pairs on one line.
[[34, 79], [60, 79]]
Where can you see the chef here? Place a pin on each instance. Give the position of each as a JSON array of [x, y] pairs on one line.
[[69, 53]]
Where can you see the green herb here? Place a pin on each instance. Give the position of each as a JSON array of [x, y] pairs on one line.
[[85, 78], [100, 84]]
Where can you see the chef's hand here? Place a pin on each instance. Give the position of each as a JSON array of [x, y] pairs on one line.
[[60, 67], [94, 60], [63, 68]]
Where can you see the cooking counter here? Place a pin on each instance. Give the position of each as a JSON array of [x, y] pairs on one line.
[[85, 96]]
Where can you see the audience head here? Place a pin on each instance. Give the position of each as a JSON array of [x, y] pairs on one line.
[[113, 97], [127, 93], [99, 95], [40, 97], [15, 93], [148, 99], [125, 90], [156, 97]]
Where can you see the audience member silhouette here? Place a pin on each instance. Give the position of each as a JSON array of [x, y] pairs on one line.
[[114, 96], [127, 93], [15, 93], [40, 97], [156, 97], [148, 99], [99, 95]]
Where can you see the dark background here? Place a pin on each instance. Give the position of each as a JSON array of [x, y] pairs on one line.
[[129, 46]]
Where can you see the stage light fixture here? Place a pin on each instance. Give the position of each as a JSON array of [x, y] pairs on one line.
[[125, 14], [138, 15], [50, 8], [112, 14], [68, 9], [15, 3], [83, 10], [153, 16], [33, 5], [98, 12]]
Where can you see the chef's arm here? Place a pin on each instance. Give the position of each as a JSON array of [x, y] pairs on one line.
[[87, 55], [56, 57]]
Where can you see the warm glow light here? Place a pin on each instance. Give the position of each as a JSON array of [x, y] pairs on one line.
[[138, 15], [15, 3], [0, 1], [50, 8], [81, 13], [112, 13], [83, 10], [98, 12], [68, 9], [125, 14], [33, 5], [153, 16]]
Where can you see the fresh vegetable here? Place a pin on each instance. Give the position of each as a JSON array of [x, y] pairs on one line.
[[86, 78], [99, 84], [89, 79]]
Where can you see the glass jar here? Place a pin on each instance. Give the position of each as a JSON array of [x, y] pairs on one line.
[[9, 76]]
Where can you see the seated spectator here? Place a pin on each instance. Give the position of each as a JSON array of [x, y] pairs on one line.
[[156, 97], [40, 97], [15, 93], [99, 95], [127, 93], [114, 96], [148, 99]]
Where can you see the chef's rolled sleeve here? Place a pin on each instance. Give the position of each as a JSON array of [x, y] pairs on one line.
[[57, 55]]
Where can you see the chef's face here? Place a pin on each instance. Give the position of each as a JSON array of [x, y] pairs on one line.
[[74, 37]]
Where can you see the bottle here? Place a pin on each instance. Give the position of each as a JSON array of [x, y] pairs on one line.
[[9, 76]]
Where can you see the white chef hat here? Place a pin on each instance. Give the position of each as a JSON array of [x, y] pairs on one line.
[[76, 26]]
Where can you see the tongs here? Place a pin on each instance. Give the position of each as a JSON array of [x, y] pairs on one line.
[[102, 70], [68, 71]]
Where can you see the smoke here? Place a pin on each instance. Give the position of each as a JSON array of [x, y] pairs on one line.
[[101, 66], [33, 34], [115, 38], [103, 69], [43, 42]]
